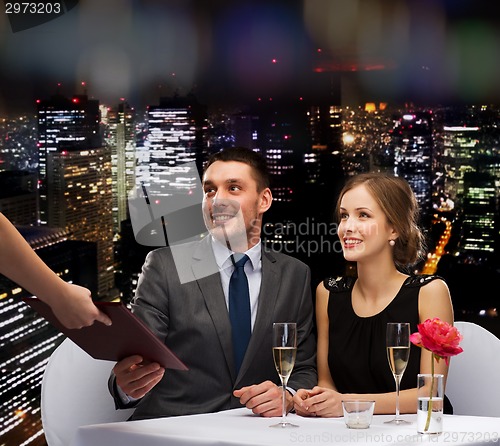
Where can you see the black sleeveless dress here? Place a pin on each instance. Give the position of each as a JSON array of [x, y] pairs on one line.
[[357, 354]]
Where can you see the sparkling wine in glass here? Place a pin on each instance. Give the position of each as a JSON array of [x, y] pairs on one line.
[[284, 352], [398, 352]]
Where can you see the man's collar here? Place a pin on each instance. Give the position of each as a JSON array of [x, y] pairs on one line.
[[222, 254]]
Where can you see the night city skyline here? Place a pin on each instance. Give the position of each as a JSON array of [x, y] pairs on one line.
[[309, 235]]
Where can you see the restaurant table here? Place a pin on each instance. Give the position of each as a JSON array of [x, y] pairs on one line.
[[240, 427]]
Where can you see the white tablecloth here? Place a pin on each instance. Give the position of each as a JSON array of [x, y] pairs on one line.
[[240, 427]]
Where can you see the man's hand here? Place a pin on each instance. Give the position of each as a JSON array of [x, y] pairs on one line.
[[137, 377], [264, 399]]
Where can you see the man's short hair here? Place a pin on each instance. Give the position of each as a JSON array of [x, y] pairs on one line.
[[243, 155]]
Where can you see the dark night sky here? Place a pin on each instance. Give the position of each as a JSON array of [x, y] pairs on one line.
[[425, 50]]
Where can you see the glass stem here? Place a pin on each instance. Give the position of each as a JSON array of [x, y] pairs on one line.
[[283, 411], [398, 378]]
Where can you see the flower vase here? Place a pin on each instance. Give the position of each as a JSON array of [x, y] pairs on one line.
[[430, 394]]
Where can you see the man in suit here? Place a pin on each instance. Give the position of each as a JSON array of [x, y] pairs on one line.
[[192, 316]]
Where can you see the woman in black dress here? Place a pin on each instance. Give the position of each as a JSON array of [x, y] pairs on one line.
[[378, 230]]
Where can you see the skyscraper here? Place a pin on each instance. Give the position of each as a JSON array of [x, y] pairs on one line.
[[176, 137], [477, 242], [412, 140], [75, 178], [79, 188], [283, 139], [323, 170], [120, 137], [64, 124], [460, 145]]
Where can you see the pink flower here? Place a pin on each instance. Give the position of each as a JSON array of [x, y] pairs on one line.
[[438, 337]]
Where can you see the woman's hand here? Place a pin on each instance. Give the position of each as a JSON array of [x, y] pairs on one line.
[[319, 401], [74, 307], [298, 403]]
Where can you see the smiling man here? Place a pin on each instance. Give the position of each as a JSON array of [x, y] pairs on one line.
[[236, 196], [196, 318]]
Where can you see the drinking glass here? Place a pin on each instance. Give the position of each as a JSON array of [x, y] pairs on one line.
[[430, 394], [284, 352], [398, 352]]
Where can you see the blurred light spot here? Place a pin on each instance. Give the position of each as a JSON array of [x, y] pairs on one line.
[[108, 70], [473, 64]]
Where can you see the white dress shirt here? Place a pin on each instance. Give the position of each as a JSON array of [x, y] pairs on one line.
[[253, 270]]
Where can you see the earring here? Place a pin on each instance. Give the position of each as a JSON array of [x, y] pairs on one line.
[[392, 242]]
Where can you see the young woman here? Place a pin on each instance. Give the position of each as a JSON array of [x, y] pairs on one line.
[[379, 234], [71, 304]]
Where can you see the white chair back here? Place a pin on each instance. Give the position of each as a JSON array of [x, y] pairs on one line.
[[75, 393], [473, 383]]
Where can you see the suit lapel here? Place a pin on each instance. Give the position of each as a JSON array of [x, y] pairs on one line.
[[210, 286], [271, 280]]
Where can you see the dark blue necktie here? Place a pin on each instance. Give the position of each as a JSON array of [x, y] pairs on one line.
[[239, 311]]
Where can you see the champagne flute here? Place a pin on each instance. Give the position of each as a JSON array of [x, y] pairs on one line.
[[398, 352], [284, 352]]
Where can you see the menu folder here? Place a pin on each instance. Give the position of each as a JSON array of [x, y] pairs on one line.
[[126, 336]]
